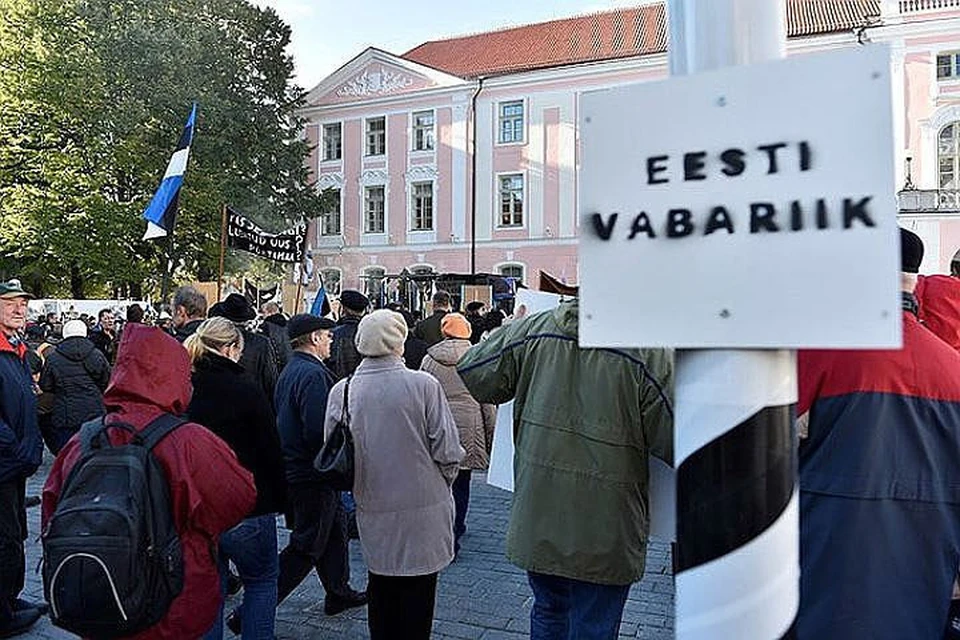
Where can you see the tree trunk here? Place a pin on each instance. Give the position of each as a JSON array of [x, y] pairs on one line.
[[136, 290], [76, 282]]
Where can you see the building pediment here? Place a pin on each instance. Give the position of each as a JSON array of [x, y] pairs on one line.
[[377, 74]]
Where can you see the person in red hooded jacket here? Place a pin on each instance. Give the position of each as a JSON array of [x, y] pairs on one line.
[[210, 492], [939, 300]]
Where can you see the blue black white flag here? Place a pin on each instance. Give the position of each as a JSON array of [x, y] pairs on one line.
[[161, 214], [321, 306]]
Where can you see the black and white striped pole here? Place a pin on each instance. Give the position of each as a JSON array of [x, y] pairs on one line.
[[737, 554]]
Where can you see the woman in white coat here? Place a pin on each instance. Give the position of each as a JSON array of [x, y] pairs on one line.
[[407, 456]]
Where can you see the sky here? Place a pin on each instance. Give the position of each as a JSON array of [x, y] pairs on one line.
[[329, 33]]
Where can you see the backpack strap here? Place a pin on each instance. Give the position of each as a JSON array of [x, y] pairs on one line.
[[159, 429], [90, 431]]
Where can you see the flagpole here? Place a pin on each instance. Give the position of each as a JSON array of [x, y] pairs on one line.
[[300, 274], [168, 267], [223, 249]]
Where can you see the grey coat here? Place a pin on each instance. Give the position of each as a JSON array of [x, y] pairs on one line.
[[407, 456], [475, 421]]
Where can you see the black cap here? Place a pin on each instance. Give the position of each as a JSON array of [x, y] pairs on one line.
[[304, 323], [911, 251], [354, 300], [235, 308]]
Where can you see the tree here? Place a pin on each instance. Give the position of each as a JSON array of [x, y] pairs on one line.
[[93, 95]]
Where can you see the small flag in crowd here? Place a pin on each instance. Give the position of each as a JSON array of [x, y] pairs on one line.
[[161, 213], [321, 306]]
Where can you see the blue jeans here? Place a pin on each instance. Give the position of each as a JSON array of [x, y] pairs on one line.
[[567, 609], [252, 546]]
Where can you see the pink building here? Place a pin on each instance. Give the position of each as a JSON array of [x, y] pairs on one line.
[[461, 154]]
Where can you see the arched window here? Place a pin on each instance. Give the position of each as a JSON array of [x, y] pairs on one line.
[[512, 270], [331, 281], [948, 156], [373, 283]]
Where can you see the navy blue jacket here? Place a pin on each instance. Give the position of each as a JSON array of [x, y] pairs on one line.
[[21, 448], [301, 402]]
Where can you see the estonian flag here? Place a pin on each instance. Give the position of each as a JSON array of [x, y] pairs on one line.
[[162, 211], [321, 306]]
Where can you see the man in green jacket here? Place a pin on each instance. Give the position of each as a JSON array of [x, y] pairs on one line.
[[585, 422]]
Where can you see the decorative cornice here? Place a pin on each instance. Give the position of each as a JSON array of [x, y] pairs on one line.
[[421, 172], [375, 83], [330, 180], [374, 177]]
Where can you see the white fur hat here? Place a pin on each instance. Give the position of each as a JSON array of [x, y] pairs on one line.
[[74, 329], [381, 333]]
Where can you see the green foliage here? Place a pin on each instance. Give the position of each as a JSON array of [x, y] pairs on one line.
[[93, 96]]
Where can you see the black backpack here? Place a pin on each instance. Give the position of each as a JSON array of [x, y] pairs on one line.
[[112, 556]]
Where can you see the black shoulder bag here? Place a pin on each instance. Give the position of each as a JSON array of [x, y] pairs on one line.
[[335, 463]]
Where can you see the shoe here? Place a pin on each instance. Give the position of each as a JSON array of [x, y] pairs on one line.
[[19, 622], [233, 584], [23, 603], [335, 604], [233, 622]]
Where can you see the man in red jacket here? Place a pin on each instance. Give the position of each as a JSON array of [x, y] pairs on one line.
[[209, 491], [880, 483]]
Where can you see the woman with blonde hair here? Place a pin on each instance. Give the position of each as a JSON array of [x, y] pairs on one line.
[[233, 406]]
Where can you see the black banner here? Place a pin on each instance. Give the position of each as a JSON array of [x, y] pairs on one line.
[[246, 235]]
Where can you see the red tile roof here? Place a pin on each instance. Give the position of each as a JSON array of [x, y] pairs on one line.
[[622, 33]]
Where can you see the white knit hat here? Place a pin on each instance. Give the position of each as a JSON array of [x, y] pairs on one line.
[[74, 329], [381, 333]]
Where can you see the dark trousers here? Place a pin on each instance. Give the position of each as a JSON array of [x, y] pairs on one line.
[[13, 531], [401, 606], [461, 500], [318, 541]]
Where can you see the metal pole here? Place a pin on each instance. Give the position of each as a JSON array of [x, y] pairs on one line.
[[223, 250], [737, 554]]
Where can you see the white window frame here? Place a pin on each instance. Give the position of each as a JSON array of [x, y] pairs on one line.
[[323, 142], [499, 118], [411, 221], [321, 223], [367, 137], [326, 286], [513, 263], [954, 156], [953, 57], [413, 131], [498, 205], [364, 212]]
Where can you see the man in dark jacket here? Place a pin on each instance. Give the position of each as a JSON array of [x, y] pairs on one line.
[[77, 374], [880, 483], [275, 327], [189, 310], [104, 335], [258, 359], [21, 451], [317, 541], [344, 357], [428, 329], [474, 315]]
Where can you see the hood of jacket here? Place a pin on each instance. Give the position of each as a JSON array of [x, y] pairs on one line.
[[567, 316], [152, 372], [449, 351], [76, 348]]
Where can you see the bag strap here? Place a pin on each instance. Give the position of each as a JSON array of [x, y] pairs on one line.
[[159, 429], [89, 431], [345, 415]]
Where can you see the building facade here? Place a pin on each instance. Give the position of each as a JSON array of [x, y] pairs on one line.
[[461, 155]]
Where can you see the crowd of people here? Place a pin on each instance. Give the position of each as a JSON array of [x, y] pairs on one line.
[[257, 395]]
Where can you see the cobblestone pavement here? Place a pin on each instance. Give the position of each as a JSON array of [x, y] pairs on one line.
[[481, 596]]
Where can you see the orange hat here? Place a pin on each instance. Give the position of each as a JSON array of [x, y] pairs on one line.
[[455, 325]]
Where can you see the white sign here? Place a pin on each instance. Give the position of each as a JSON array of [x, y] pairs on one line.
[[749, 207]]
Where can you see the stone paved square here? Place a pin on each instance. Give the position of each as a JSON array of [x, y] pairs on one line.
[[481, 596]]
